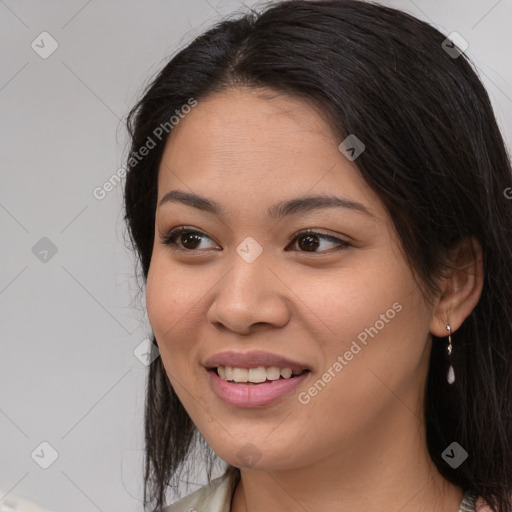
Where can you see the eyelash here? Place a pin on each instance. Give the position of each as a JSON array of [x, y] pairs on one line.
[[170, 239]]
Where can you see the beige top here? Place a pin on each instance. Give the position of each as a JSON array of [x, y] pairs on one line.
[[217, 496], [214, 497]]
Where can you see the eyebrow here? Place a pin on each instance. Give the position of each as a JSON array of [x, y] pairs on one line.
[[277, 211]]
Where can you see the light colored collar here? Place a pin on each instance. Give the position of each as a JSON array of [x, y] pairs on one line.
[[217, 496], [213, 497]]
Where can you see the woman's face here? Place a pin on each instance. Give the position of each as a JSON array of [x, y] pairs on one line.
[[248, 289]]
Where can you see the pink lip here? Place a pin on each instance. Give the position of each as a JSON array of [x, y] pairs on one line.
[[253, 359], [253, 395]]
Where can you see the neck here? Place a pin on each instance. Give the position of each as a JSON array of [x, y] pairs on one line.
[[385, 470]]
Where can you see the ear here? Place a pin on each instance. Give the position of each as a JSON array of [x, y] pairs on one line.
[[460, 288]]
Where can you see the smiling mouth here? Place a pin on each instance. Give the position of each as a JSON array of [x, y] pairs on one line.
[[257, 375]]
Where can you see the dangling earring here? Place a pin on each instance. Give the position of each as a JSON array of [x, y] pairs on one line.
[[451, 373]]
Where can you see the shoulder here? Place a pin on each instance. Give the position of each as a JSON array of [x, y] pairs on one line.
[[213, 497]]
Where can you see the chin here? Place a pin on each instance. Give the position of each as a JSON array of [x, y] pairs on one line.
[[254, 455]]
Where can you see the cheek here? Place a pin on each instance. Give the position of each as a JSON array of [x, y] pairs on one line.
[[170, 295], [160, 305], [377, 323], [165, 310], [175, 309], [346, 303], [169, 301], [370, 361]]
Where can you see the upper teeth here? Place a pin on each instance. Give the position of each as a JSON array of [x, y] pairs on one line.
[[255, 375]]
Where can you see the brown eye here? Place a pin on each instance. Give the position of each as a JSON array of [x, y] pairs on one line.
[[190, 240], [184, 239], [310, 241]]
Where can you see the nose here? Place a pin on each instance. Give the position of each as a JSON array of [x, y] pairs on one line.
[[250, 296]]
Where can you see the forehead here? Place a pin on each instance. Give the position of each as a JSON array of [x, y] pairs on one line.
[[256, 143], [246, 121]]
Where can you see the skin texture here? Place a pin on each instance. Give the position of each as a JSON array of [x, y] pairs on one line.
[[359, 443]]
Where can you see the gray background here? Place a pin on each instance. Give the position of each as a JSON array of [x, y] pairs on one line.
[[70, 323]]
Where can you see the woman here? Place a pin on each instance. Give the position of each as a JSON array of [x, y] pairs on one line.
[[317, 196]]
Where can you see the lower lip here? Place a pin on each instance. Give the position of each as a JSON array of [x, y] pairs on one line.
[[253, 395]]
